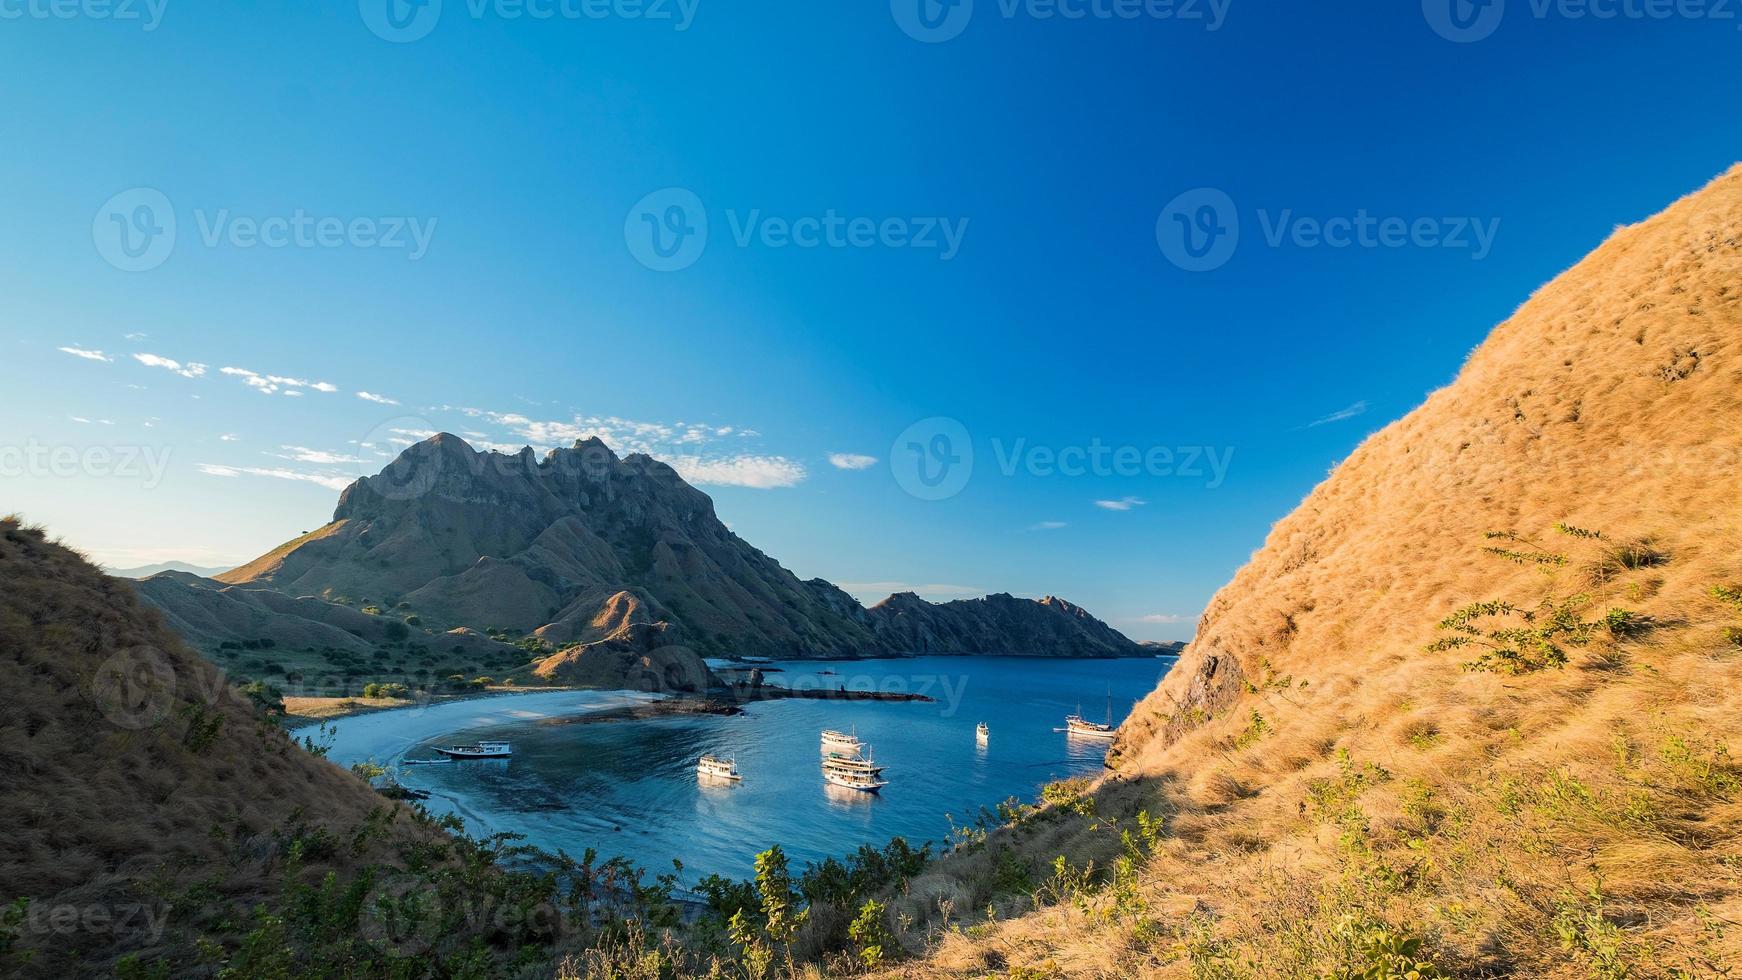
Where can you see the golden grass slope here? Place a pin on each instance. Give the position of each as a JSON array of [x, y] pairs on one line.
[[132, 776], [1338, 798]]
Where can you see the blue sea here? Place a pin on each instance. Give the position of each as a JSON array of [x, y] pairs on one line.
[[629, 788]]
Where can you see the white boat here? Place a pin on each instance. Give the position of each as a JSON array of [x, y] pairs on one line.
[[981, 732], [715, 768], [838, 763], [1078, 725], [858, 771], [864, 782], [482, 750], [841, 743]]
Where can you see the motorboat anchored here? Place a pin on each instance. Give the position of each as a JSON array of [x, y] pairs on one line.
[[864, 782], [711, 767], [856, 772], [480, 750], [982, 732], [841, 743]]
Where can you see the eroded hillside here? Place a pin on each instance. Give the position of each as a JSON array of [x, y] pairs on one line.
[[1471, 707]]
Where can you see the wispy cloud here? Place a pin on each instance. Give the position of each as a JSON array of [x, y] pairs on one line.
[[1160, 619], [191, 369], [1123, 503], [755, 472], [89, 355], [85, 421], [1340, 414], [272, 384], [682, 445], [851, 461], [229, 437], [1047, 526], [328, 480], [377, 399], [320, 457]]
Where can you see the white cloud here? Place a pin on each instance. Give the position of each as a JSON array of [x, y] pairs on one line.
[[189, 370], [1047, 526], [272, 384], [1160, 619], [229, 437], [756, 472], [89, 355], [1340, 414], [85, 421], [320, 457], [377, 399], [851, 461], [678, 444], [134, 336], [327, 480], [1123, 503]]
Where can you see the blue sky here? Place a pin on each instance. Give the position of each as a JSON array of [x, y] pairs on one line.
[[996, 210]]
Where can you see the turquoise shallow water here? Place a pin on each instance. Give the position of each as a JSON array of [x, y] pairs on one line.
[[630, 788]]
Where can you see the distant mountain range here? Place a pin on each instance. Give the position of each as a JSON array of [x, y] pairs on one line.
[[146, 571], [582, 549]]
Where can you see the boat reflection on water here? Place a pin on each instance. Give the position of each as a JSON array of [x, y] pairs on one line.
[[1085, 746], [842, 798]]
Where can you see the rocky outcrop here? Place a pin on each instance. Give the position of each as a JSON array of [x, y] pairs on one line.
[[638, 656], [580, 544]]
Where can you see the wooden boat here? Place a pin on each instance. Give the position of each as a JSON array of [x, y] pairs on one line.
[[711, 767], [481, 750]]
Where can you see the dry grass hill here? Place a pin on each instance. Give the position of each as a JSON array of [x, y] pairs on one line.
[[1359, 770], [134, 775]]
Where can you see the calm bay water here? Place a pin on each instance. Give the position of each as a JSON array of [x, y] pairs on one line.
[[630, 788]]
